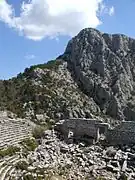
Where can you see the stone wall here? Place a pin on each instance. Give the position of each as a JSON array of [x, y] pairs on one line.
[[92, 128], [82, 128], [122, 134]]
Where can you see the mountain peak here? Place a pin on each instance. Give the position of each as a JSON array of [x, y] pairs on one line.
[[103, 66]]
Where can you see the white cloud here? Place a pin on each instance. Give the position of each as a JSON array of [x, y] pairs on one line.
[[111, 11], [6, 13], [103, 9], [30, 57], [50, 18]]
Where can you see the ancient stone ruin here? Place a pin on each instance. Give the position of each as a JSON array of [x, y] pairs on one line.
[[12, 133], [82, 129], [90, 130], [13, 130]]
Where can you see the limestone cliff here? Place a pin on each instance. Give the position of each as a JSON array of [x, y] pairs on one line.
[[103, 67]]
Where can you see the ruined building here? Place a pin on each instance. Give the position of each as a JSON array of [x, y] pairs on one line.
[[90, 130]]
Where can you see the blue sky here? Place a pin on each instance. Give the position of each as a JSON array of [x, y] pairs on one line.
[[21, 48]]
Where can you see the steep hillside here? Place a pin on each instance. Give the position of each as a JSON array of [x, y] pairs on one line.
[[47, 90], [94, 76]]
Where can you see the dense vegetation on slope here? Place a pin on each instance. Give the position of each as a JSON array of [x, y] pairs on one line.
[[46, 89], [14, 93]]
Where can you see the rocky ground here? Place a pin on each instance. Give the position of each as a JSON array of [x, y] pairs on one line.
[[80, 161]]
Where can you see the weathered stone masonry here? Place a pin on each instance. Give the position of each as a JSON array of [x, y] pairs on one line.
[[122, 134], [82, 128], [90, 129]]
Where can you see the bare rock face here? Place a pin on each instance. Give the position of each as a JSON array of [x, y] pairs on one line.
[[103, 67]]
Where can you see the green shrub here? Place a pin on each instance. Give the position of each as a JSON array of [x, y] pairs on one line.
[[123, 177], [23, 165], [39, 178], [30, 144], [25, 152], [53, 64], [11, 150], [28, 177], [101, 178], [38, 132]]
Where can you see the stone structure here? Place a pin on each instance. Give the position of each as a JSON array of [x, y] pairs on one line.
[[83, 129], [13, 130], [91, 129], [122, 134]]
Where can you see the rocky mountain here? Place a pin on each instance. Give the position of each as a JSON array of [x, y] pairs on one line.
[[103, 66], [95, 76]]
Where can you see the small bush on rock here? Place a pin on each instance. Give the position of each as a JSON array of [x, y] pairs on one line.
[[30, 144], [101, 178], [38, 132], [28, 177], [23, 165]]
